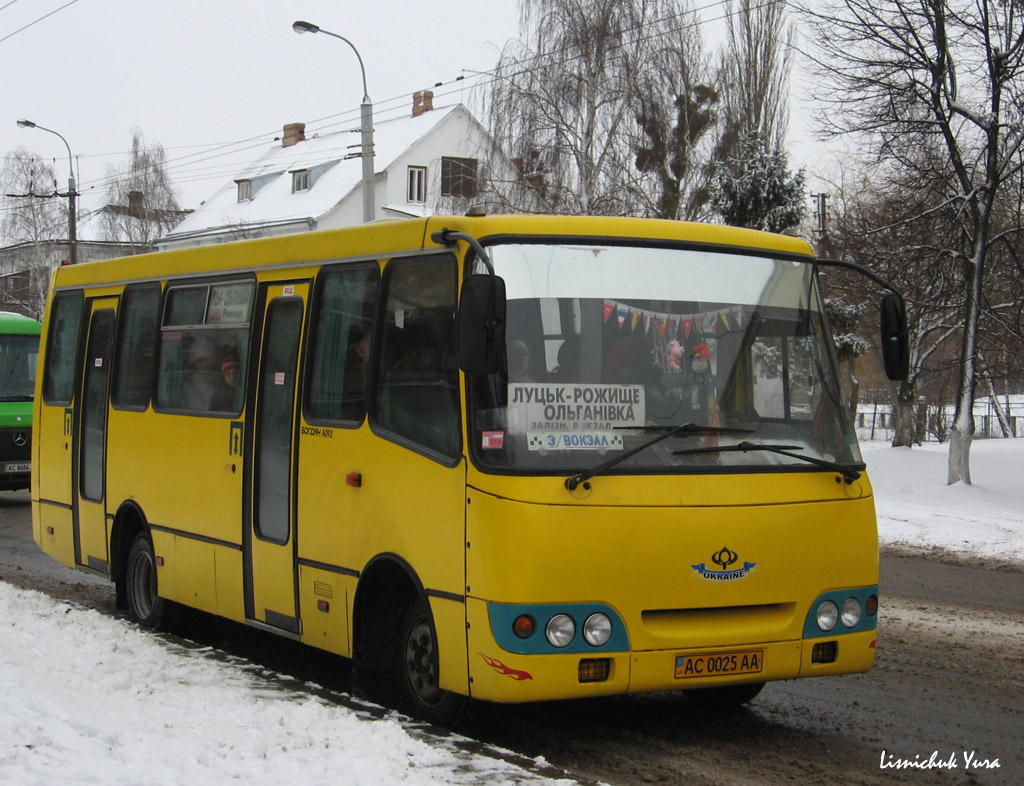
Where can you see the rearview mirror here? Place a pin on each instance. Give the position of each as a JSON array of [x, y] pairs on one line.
[[895, 350], [480, 324]]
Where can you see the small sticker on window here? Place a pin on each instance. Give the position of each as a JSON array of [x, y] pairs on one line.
[[493, 440], [279, 378]]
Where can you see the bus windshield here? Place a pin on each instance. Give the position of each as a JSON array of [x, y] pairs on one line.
[[18, 356], [609, 345]]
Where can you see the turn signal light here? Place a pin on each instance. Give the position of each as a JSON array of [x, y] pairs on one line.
[[523, 626]]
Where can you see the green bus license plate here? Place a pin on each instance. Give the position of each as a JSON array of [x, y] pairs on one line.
[[711, 664], [17, 467]]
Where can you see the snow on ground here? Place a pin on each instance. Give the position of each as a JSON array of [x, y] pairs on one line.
[[86, 698], [89, 699], [917, 511]]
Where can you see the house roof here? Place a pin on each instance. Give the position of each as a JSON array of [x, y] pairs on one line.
[[335, 171]]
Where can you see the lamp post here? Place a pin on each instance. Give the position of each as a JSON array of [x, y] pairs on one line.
[[72, 228], [366, 120]]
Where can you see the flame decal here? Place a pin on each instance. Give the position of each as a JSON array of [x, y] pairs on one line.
[[501, 668], [871, 646]]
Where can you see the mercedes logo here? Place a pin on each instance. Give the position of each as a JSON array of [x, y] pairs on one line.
[[20, 439]]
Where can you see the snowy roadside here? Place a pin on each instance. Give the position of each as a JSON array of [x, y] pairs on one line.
[[918, 513], [86, 698]]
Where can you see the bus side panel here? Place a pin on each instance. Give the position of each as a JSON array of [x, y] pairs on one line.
[[324, 609], [180, 470], [51, 484], [228, 567], [54, 532], [407, 505], [192, 562]]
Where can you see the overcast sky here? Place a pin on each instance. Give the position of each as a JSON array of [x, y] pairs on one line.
[[196, 75]]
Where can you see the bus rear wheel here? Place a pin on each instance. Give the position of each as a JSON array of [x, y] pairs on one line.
[[145, 606], [419, 693]]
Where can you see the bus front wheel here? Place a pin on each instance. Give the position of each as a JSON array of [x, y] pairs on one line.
[[419, 692], [144, 605]]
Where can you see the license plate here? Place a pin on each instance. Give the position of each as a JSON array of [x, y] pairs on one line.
[[712, 664], [17, 467]]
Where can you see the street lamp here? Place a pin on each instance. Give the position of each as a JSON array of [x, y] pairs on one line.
[[72, 231], [366, 120]]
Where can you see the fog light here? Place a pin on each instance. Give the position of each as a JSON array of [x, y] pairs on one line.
[[560, 630], [851, 612], [827, 615], [595, 669], [825, 652], [597, 629]]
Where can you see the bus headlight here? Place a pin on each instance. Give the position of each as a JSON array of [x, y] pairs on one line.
[[560, 630], [597, 629], [827, 615], [851, 612]]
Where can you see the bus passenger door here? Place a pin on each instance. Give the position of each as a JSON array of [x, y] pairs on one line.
[[89, 468], [271, 572]]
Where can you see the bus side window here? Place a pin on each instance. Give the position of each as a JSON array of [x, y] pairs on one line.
[[417, 394], [341, 350], [136, 348], [204, 343], [62, 347]]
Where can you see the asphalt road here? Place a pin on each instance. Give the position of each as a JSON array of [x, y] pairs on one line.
[[948, 681]]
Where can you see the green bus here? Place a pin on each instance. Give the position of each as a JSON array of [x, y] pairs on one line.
[[19, 353]]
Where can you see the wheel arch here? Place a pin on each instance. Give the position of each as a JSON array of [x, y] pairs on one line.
[[129, 521], [387, 584]]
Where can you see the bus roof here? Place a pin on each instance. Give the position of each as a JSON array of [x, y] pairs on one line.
[[383, 238], [11, 322]]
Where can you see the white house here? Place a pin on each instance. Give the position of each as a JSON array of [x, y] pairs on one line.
[[426, 162]]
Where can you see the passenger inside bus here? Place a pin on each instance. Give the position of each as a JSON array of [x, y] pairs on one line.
[[201, 377], [226, 397]]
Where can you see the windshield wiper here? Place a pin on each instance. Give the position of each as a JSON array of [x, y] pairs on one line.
[[684, 429], [849, 473]]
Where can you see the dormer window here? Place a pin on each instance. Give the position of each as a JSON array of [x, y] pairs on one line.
[[417, 184], [244, 190], [300, 180]]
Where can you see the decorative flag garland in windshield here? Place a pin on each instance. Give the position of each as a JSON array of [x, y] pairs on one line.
[[675, 325]]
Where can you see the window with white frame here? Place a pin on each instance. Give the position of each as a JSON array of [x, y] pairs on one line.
[[244, 190], [417, 184], [300, 180]]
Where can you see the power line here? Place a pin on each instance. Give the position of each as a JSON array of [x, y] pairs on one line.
[[37, 21], [185, 166]]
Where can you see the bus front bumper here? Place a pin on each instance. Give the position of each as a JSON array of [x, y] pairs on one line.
[[507, 677]]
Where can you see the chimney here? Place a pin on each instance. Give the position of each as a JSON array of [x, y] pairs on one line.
[[422, 101], [293, 134], [135, 208]]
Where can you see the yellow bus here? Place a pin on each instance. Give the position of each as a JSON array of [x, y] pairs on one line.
[[505, 458]]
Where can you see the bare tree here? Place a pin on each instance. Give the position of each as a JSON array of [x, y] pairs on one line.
[[754, 74], [32, 208], [34, 218], [940, 74], [883, 223], [141, 203], [565, 103], [676, 116]]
